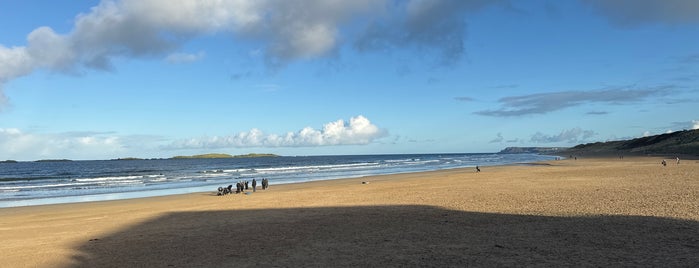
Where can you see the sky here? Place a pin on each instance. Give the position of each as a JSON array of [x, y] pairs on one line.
[[157, 78]]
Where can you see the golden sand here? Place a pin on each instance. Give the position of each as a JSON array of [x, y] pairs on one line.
[[585, 212]]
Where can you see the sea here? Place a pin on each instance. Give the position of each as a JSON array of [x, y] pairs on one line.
[[55, 182]]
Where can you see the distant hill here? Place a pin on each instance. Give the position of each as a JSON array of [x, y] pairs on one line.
[[129, 158], [531, 150], [54, 160], [224, 156], [676, 143]]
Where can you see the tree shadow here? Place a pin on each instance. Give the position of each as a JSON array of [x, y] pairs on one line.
[[379, 236]]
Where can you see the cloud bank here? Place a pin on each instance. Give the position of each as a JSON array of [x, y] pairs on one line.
[[548, 102], [358, 131], [574, 135], [18, 145]]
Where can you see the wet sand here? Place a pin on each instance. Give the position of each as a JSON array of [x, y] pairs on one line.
[[585, 212]]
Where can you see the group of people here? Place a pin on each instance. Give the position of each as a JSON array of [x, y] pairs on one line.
[[241, 186]]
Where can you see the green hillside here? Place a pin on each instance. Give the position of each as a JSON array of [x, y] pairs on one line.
[[676, 143]]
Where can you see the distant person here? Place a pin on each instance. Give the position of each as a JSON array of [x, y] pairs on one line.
[[478, 169], [254, 185], [678, 160]]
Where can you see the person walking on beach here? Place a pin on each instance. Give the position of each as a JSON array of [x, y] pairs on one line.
[[254, 185], [678, 160]]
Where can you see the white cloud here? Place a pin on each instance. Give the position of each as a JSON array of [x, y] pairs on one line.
[[358, 131], [573, 135], [289, 30], [283, 31], [695, 124], [18, 145]]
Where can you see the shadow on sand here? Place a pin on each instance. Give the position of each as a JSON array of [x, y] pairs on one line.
[[392, 236]]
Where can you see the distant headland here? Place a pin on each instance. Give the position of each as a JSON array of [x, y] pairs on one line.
[[685, 142], [206, 156], [532, 150], [53, 160]]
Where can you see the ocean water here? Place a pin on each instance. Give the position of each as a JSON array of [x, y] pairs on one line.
[[38, 183]]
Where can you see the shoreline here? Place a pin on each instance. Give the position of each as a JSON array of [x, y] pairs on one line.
[[111, 196], [89, 198], [590, 211], [207, 176]]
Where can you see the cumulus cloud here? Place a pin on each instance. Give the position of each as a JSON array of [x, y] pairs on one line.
[[144, 28], [284, 30], [19, 145], [548, 102], [358, 131], [574, 135], [695, 124], [637, 12]]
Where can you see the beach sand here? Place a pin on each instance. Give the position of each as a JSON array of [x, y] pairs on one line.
[[585, 212]]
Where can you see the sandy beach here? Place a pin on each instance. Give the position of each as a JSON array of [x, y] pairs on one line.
[[585, 212]]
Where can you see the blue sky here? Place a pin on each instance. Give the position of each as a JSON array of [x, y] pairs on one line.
[[158, 78]]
